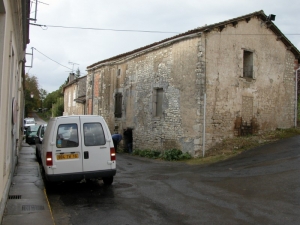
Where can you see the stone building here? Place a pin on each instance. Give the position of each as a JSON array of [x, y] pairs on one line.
[[193, 90], [74, 95], [14, 37]]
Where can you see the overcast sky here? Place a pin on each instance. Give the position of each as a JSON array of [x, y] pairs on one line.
[[85, 47]]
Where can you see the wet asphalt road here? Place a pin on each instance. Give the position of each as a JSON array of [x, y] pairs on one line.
[[261, 186]]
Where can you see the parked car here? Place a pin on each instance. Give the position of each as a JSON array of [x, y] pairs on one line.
[[29, 122], [31, 134], [77, 148], [39, 139]]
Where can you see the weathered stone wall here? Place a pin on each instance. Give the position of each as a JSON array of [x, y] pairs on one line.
[[81, 91], [69, 96], [269, 96], [172, 68], [74, 90], [211, 65]]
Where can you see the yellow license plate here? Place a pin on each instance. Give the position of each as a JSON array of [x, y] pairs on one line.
[[67, 156]]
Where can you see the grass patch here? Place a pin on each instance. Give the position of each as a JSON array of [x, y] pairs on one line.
[[233, 146], [226, 149]]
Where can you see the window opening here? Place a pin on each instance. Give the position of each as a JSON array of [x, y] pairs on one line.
[[157, 102], [118, 105], [248, 64]]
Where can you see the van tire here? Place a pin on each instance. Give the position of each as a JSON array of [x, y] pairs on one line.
[[108, 180]]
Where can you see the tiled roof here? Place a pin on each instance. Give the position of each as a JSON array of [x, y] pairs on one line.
[[221, 25]]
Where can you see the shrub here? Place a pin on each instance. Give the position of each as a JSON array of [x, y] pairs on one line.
[[136, 152], [185, 156], [146, 153], [169, 155]]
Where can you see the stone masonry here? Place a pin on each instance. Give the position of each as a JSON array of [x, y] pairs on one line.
[[201, 71]]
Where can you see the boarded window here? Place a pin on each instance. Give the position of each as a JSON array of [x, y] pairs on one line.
[[118, 105], [248, 64], [157, 102]]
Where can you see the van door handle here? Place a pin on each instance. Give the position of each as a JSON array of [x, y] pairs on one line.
[[86, 155]]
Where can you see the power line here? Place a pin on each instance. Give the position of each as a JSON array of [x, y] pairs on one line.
[[91, 28], [144, 31], [52, 59], [39, 2]]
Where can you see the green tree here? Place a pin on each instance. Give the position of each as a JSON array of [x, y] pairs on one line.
[[31, 93], [52, 98], [58, 107], [77, 74], [42, 94]]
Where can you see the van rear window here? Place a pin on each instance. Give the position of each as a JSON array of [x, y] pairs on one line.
[[93, 134], [67, 136]]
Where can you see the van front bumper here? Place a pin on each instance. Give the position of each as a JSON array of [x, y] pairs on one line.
[[79, 176]]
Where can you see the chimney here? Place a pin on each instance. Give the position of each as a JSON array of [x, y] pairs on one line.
[[71, 77]]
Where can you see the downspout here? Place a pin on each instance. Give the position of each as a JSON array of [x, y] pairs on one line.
[[92, 113], [204, 100], [296, 104], [204, 121]]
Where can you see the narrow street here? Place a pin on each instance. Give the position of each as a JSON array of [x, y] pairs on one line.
[[260, 186]]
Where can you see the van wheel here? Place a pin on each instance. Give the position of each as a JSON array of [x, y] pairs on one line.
[[108, 180]]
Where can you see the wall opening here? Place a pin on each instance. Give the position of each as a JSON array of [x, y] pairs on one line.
[[118, 105], [157, 102], [248, 64]]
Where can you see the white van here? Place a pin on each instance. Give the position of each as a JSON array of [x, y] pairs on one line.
[[77, 148]]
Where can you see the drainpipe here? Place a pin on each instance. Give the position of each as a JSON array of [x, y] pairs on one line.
[[93, 92], [296, 105], [204, 121], [204, 101]]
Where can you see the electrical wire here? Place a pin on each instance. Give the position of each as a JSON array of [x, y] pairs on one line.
[[45, 27], [90, 28], [51, 59], [39, 2]]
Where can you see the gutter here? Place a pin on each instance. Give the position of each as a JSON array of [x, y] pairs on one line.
[[93, 74]]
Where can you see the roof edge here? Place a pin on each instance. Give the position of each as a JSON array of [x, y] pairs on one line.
[[260, 14]]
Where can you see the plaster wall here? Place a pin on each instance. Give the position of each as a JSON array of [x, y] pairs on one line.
[[269, 96], [11, 91], [71, 107]]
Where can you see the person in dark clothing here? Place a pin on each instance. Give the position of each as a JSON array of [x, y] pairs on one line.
[[116, 139], [128, 135]]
